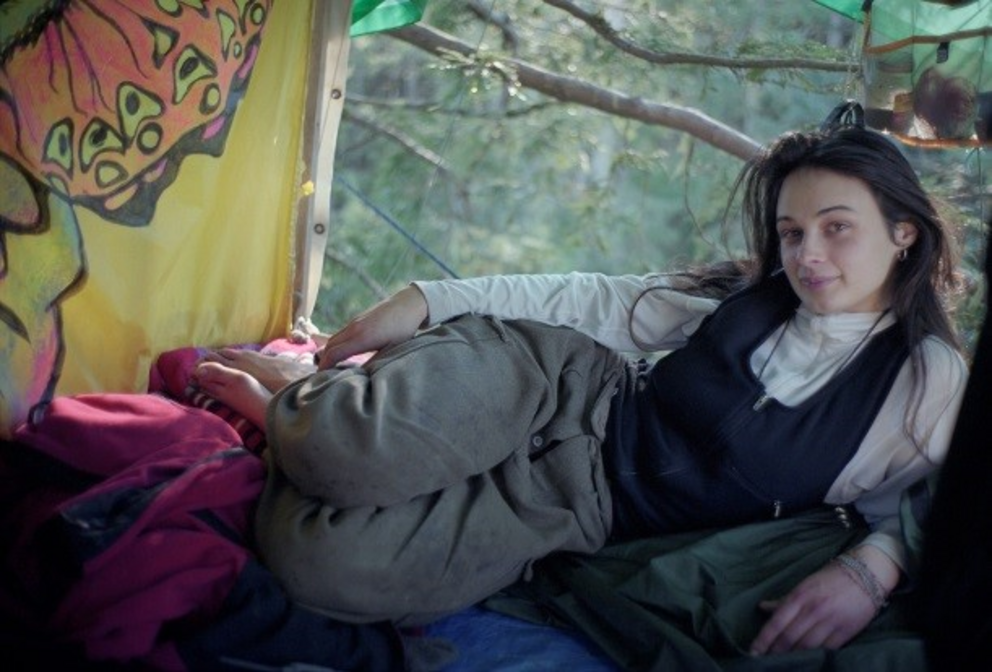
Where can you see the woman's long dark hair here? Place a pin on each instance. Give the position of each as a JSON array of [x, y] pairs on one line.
[[924, 284]]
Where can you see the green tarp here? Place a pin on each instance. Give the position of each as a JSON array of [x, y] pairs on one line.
[[373, 16], [849, 8]]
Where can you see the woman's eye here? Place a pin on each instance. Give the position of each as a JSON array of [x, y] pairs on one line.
[[839, 226], [790, 235]]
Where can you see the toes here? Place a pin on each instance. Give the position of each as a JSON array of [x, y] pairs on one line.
[[207, 373], [214, 356]]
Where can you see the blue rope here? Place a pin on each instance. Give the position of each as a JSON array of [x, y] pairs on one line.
[[393, 223]]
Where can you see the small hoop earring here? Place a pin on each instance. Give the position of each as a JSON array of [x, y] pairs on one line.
[[903, 253]]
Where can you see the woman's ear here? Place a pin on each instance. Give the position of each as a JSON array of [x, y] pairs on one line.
[[904, 234]]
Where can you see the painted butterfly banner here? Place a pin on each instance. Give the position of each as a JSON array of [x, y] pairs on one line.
[[153, 167]]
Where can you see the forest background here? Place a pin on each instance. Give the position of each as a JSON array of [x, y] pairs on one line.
[[523, 136]]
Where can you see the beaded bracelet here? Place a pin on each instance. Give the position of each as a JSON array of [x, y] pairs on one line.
[[864, 577]]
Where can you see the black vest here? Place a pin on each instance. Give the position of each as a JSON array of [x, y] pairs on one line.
[[690, 446]]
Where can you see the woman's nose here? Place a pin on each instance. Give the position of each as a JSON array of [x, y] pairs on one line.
[[809, 250]]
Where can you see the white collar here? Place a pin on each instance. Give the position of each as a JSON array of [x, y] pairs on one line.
[[844, 327]]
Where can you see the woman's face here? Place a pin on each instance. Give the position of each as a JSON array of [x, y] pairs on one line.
[[836, 248]]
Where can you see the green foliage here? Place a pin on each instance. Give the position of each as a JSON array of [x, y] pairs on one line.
[[956, 178], [506, 180]]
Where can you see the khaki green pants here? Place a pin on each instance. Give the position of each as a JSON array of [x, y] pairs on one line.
[[438, 472]]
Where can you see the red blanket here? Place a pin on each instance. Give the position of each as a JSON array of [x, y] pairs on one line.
[[125, 529], [130, 492]]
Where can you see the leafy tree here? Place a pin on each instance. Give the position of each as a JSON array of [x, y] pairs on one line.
[[530, 136]]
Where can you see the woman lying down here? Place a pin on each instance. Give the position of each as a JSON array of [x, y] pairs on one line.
[[438, 471]]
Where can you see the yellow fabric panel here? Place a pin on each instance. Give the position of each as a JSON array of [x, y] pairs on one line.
[[214, 266]]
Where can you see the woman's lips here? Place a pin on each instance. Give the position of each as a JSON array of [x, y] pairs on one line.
[[816, 283]]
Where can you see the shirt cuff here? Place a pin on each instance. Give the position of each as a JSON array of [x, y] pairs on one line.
[[438, 309], [889, 545]]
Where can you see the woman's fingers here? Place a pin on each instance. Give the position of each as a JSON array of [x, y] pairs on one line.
[[392, 321], [826, 609]]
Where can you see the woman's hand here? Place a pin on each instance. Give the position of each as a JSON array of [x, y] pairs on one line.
[[392, 321], [827, 609]]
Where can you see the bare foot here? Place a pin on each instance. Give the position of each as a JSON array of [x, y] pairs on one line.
[[236, 389], [272, 371]]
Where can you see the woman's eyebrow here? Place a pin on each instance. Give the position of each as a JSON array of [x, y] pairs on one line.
[[835, 207], [819, 213]]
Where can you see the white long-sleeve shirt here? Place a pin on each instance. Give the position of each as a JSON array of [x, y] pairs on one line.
[[633, 313]]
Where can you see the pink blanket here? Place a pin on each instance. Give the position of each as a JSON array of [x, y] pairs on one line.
[[123, 497]]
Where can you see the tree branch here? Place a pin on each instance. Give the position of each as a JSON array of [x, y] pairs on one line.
[[401, 139], [418, 150], [499, 19], [437, 108], [573, 90], [602, 28], [358, 271]]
